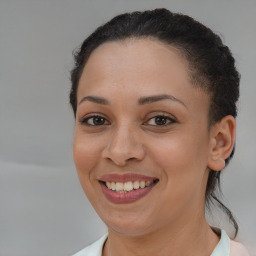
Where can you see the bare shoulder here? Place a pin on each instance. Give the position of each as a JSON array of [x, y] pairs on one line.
[[238, 249]]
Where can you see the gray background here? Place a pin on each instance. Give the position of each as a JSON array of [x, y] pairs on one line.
[[43, 210]]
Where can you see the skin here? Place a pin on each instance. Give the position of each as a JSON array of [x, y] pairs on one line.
[[129, 140]]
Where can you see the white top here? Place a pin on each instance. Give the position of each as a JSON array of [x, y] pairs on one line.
[[225, 247]]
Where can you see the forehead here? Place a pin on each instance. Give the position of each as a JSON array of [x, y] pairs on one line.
[[135, 58], [138, 67]]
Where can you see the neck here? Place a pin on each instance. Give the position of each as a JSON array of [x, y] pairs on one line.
[[194, 238]]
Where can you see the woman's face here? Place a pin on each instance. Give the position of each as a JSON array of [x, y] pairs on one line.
[[141, 143]]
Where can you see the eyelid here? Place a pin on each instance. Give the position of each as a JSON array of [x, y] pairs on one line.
[[162, 114], [92, 115], [148, 118], [168, 122]]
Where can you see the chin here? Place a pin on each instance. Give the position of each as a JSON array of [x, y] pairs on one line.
[[128, 225], [129, 230]]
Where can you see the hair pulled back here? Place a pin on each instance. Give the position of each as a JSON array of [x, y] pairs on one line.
[[211, 65]]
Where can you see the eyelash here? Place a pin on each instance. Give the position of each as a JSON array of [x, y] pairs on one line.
[[85, 120], [166, 119]]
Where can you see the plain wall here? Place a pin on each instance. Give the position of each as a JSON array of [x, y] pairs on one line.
[[43, 210]]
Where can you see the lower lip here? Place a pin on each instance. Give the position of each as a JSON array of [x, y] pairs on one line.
[[128, 197]]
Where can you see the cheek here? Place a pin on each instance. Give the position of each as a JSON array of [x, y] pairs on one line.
[[183, 162], [85, 155], [182, 156]]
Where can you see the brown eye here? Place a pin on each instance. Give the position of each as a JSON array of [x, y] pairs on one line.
[[160, 121], [94, 121]]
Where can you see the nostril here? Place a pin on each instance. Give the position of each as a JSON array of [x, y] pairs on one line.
[[122, 154], [131, 158]]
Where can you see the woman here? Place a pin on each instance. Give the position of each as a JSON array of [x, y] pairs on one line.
[[154, 96]]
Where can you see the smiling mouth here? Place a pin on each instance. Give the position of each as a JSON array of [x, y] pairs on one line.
[[128, 186]]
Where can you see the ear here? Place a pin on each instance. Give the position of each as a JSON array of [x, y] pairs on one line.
[[222, 139]]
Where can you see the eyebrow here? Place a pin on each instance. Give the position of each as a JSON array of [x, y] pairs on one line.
[[155, 98], [141, 101], [94, 99]]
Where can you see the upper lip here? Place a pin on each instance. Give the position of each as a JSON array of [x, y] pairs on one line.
[[126, 177]]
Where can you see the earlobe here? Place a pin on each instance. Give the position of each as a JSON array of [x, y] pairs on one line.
[[221, 142]]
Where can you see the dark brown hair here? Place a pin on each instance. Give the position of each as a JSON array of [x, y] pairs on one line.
[[212, 66]]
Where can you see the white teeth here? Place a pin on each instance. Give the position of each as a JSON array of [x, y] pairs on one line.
[[148, 183], [142, 184], [113, 186], [128, 186], [121, 187], [136, 184], [108, 184]]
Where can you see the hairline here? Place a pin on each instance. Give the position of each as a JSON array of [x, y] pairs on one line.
[[195, 79]]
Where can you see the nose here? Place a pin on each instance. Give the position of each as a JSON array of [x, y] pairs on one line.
[[124, 146]]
